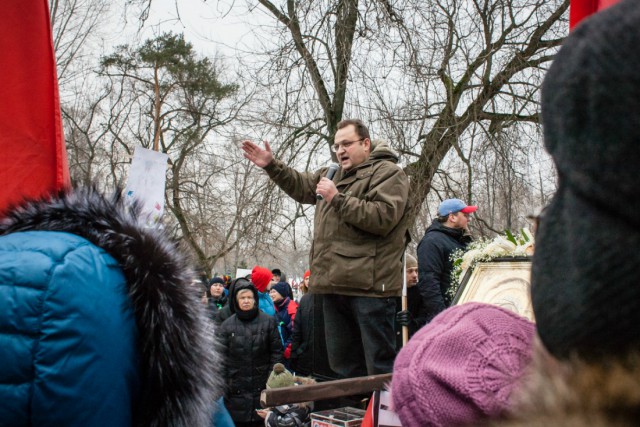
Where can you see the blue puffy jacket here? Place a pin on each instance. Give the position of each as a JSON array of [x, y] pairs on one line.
[[265, 303], [100, 323], [67, 334]]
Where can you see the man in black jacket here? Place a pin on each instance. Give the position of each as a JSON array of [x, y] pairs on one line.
[[447, 233]]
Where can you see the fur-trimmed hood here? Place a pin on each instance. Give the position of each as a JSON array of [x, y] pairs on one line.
[[575, 393], [178, 363]]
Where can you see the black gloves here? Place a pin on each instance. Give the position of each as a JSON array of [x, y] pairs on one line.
[[404, 317]]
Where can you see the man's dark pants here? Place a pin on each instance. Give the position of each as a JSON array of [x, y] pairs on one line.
[[359, 334]]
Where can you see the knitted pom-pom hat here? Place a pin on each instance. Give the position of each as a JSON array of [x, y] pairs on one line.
[[462, 366], [280, 377]]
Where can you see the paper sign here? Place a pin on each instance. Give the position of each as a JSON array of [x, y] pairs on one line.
[[242, 272], [146, 183]]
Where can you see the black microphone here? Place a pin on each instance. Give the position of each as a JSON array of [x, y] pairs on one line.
[[331, 172]]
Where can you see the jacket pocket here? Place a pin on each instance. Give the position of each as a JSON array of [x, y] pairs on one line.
[[352, 265]]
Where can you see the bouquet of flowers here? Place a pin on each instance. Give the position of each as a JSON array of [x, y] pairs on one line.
[[509, 245]]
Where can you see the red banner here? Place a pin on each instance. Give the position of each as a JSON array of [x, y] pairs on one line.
[[581, 9], [34, 159]]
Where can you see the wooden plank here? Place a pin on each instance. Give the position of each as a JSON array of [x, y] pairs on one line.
[[323, 390]]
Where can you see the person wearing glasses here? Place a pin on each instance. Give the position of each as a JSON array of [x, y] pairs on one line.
[[360, 232]]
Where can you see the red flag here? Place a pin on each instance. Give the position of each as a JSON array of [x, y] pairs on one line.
[[33, 158], [581, 9]]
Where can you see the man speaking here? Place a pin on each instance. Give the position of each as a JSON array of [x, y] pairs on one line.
[[360, 232]]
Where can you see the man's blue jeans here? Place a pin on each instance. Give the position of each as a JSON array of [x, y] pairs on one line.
[[359, 334]]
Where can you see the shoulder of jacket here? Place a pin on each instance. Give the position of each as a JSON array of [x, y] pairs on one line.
[[271, 320], [379, 167], [262, 316], [226, 324], [41, 260], [434, 234], [292, 307], [387, 165]]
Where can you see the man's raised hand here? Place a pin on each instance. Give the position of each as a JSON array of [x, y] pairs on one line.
[[258, 156]]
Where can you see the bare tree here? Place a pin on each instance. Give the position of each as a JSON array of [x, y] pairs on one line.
[[74, 23], [179, 102], [95, 153], [475, 67], [451, 84], [429, 75]]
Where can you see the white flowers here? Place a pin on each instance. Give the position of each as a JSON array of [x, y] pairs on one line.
[[499, 247], [468, 258], [526, 249], [485, 250]]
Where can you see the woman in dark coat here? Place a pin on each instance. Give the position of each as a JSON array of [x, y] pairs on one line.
[[251, 346]]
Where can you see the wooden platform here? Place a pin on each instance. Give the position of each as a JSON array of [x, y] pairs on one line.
[[323, 390]]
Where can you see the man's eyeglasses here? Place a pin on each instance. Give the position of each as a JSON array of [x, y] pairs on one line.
[[344, 144]]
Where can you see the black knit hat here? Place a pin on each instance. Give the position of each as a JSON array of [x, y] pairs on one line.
[[217, 280], [282, 289], [585, 275]]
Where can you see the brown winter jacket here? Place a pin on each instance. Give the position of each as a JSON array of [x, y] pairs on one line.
[[358, 238]]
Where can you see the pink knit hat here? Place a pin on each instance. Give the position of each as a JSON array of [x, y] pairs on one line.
[[462, 366]]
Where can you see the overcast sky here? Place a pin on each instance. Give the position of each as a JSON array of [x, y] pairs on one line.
[[211, 26]]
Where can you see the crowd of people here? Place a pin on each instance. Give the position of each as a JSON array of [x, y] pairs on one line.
[[102, 323], [255, 327], [285, 327]]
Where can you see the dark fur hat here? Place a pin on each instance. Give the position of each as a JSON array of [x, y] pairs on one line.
[[177, 358], [585, 292], [576, 393]]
